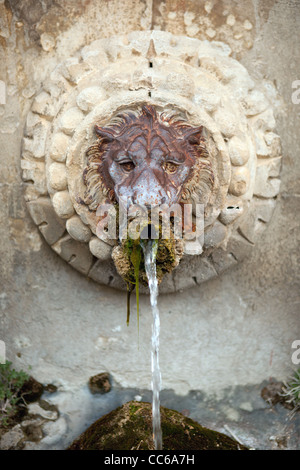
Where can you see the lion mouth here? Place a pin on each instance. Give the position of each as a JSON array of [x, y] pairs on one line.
[[128, 257]]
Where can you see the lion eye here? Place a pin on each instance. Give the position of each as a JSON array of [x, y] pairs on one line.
[[170, 167], [127, 166]]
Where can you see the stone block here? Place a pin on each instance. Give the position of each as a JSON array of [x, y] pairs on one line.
[[259, 213], [34, 171], [42, 104], [37, 133], [226, 122], [215, 235], [238, 247], [104, 272], [43, 214], [75, 253], [266, 182], [193, 270]]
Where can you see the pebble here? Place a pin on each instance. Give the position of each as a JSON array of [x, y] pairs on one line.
[[62, 204]]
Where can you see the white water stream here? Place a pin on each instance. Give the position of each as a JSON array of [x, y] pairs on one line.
[[150, 249]]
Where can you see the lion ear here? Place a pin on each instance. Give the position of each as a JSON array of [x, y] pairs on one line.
[[105, 133], [194, 135]]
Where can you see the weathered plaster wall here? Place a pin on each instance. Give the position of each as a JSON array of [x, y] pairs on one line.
[[235, 330]]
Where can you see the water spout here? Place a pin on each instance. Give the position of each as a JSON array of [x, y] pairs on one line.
[[150, 251]]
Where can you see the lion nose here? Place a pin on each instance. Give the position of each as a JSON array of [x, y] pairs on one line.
[[148, 191], [149, 199]]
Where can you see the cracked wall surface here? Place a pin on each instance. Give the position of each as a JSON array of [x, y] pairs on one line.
[[233, 330]]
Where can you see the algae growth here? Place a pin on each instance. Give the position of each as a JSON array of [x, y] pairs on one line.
[[129, 260], [129, 427]]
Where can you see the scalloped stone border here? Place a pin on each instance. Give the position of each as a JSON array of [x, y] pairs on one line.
[[195, 77]]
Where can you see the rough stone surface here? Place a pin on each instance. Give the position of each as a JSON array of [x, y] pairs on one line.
[[78, 230], [75, 253], [32, 390], [89, 97], [59, 147], [63, 205], [100, 383], [36, 410], [237, 115], [13, 439], [58, 176], [130, 428], [100, 249], [266, 184], [70, 119], [240, 180], [237, 328]]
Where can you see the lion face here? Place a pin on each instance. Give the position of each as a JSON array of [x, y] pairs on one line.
[[147, 158]]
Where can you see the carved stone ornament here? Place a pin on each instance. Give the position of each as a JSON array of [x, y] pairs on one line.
[[156, 119]]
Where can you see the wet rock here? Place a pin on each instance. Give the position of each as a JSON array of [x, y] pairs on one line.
[[50, 388], [100, 383], [272, 394], [44, 410], [54, 431], [32, 430], [32, 390], [129, 427], [13, 439]]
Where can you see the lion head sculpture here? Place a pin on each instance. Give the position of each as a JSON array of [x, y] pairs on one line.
[[150, 158]]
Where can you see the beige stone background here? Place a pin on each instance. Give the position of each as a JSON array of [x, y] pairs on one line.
[[232, 331]]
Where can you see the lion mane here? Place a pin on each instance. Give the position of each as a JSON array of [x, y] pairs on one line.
[[192, 140]]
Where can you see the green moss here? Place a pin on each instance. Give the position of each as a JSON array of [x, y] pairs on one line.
[[11, 383], [130, 428], [291, 390]]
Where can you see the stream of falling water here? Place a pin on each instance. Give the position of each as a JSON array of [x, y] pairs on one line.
[[150, 250]]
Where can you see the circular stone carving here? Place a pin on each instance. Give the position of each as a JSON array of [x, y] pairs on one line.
[[197, 80]]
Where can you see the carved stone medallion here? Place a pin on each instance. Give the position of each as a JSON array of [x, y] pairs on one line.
[[206, 129]]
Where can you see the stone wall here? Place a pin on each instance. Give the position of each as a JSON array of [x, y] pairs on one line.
[[234, 330]]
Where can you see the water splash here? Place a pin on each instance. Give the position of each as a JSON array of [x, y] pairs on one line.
[[150, 251]]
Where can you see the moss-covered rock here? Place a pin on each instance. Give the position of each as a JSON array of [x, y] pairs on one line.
[[129, 259], [129, 427]]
